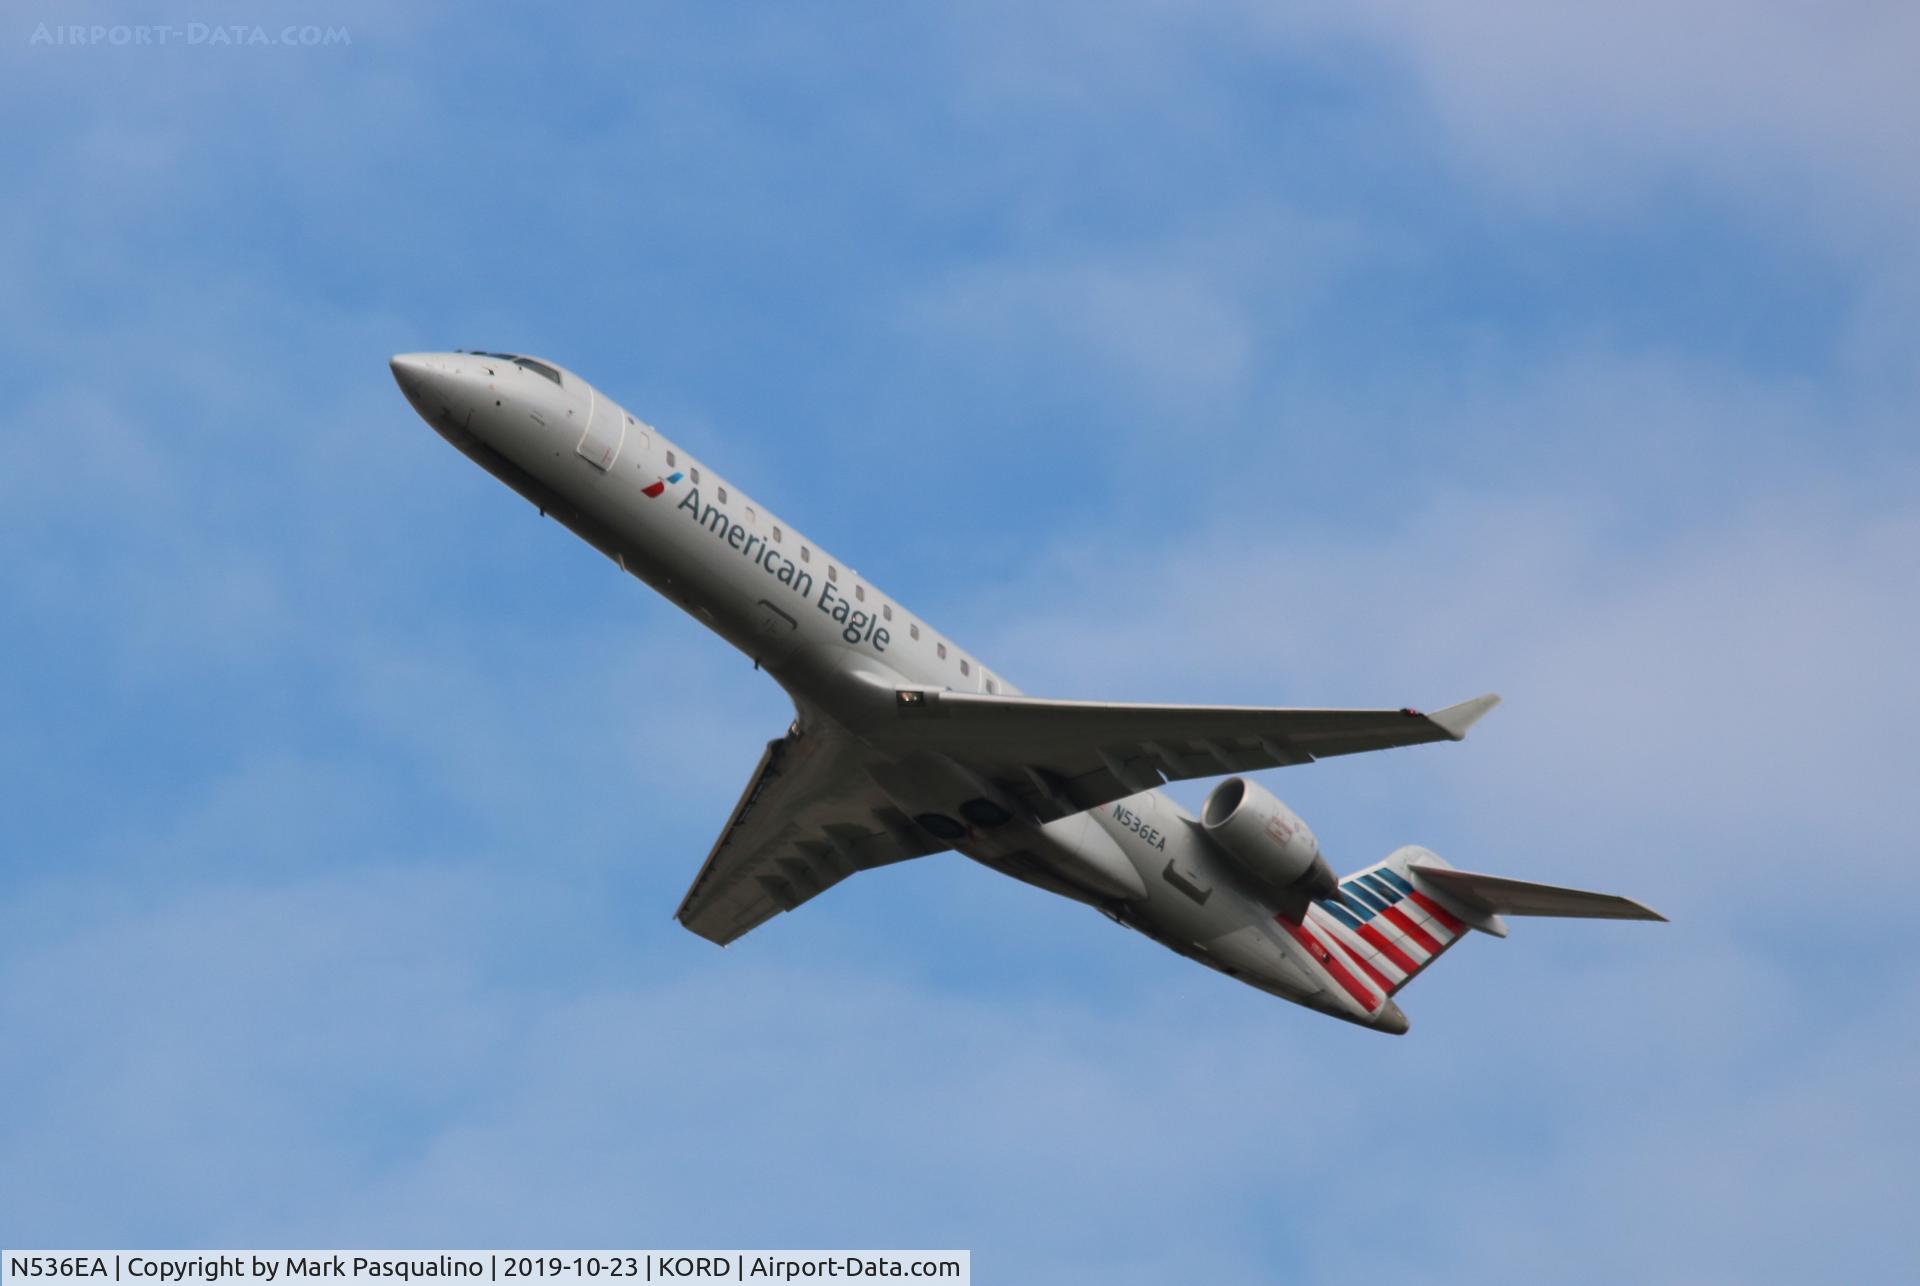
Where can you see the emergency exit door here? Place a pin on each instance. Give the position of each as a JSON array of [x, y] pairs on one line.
[[606, 430]]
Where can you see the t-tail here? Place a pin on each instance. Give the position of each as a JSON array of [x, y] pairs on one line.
[[1394, 918]]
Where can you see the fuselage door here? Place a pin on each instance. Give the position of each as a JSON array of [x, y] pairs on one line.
[[606, 430], [1167, 844]]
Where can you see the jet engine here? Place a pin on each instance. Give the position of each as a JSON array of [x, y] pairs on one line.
[[1267, 841]]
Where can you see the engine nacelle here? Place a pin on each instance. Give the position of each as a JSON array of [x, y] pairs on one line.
[[1267, 840]]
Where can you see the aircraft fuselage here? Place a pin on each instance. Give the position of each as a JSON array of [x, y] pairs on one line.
[[844, 651]]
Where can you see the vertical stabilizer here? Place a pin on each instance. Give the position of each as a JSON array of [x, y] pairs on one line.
[[1388, 925]]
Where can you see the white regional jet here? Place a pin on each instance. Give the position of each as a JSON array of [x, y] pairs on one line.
[[905, 744]]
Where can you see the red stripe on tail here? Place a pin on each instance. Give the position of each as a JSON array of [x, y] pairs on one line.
[[1366, 966], [1438, 912], [1331, 963], [1390, 949], [1415, 934]]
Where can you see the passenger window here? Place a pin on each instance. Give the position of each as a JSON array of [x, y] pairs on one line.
[[669, 459], [964, 667], [776, 535], [886, 611], [992, 687], [696, 476], [806, 555], [860, 593], [750, 513], [833, 573], [723, 490], [941, 648], [914, 631]]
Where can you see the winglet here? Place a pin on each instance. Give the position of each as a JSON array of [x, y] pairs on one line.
[[1455, 720]]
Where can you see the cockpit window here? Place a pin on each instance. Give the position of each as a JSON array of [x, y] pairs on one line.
[[538, 368]]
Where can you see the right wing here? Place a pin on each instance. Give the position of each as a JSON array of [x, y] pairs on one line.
[[1061, 757], [810, 816]]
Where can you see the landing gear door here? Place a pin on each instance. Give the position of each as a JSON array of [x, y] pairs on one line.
[[606, 430]]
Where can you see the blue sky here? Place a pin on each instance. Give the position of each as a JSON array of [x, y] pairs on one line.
[[1317, 354]]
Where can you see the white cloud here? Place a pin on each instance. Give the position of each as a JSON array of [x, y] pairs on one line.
[[343, 1059], [381, 952], [1178, 320], [1692, 696], [1560, 103]]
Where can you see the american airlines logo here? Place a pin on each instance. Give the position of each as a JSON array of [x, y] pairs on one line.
[[652, 492], [856, 624]]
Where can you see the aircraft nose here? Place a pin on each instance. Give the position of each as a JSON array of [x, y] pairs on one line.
[[437, 385], [412, 372]]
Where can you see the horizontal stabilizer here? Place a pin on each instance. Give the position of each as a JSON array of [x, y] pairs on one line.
[[1496, 895]]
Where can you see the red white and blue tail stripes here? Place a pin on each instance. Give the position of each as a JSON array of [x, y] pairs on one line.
[[1377, 934]]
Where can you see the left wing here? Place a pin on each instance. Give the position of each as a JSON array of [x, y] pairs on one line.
[[810, 816], [1059, 757]]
